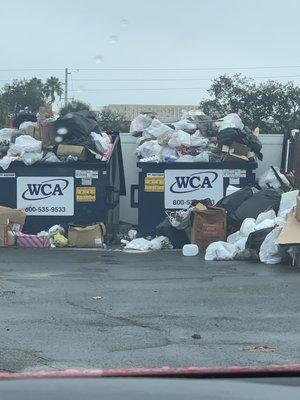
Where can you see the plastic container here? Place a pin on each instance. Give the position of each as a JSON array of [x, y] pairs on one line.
[[190, 250]]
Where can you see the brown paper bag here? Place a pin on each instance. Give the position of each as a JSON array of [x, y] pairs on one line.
[[207, 226]]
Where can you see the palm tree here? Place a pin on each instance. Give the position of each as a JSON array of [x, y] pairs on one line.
[[52, 88]]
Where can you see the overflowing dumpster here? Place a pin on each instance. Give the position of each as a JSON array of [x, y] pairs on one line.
[[172, 186], [81, 187]]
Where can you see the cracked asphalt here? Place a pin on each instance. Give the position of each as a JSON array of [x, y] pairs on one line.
[[155, 309]]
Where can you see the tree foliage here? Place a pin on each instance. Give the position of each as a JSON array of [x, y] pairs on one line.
[[112, 121], [30, 94], [73, 106], [272, 106]]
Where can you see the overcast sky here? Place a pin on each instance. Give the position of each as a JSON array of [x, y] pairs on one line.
[[156, 34]]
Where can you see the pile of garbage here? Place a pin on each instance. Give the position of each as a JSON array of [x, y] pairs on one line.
[[12, 222], [131, 242], [259, 223], [46, 137], [195, 138]]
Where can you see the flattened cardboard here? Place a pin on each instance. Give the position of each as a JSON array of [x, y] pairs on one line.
[[66, 150], [14, 215], [290, 233]]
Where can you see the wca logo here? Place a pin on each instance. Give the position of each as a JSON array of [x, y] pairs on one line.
[[191, 183], [45, 189]]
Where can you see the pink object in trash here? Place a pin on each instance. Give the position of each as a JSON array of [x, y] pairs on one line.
[[24, 240]]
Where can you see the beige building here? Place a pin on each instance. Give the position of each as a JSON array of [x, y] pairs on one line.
[[165, 113]]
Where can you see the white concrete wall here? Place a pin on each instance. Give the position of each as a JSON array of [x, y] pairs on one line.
[[271, 149], [272, 146], [128, 142]]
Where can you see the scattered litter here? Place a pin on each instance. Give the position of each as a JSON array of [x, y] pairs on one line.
[[158, 243], [273, 178], [138, 244], [60, 240], [97, 297], [132, 234], [196, 336]]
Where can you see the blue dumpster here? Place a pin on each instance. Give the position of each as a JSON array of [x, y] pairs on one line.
[[173, 186], [63, 193]]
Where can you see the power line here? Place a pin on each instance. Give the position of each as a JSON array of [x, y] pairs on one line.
[[187, 69], [30, 69], [137, 89], [176, 79], [154, 69]]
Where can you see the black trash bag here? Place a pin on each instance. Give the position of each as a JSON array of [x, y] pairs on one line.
[[24, 117], [234, 200], [256, 238], [247, 255], [79, 125], [178, 238], [264, 200], [229, 135]]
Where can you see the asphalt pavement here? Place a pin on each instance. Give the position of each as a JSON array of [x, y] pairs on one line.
[[109, 309]]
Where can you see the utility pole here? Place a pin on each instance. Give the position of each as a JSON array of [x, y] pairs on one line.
[[67, 73]]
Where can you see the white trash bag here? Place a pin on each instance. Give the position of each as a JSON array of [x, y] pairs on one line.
[[148, 149], [185, 124], [265, 215], [160, 242], [197, 139], [230, 121], [266, 223], [270, 252], [180, 138], [240, 244], [140, 123], [158, 129], [25, 143], [5, 162], [269, 179], [234, 237], [30, 158], [247, 226], [101, 141], [51, 158], [138, 244], [220, 251]]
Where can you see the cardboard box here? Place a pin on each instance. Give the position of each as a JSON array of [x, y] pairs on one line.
[[45, 133], [237, 152], [208, 225], [297, 214], [234, 158], [290, 233], [239, 149], [3, 231], [24, 240], [15, 216], [88, 236], [64, 150]]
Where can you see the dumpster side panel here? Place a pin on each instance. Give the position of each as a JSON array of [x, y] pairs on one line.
[[151, 204]]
